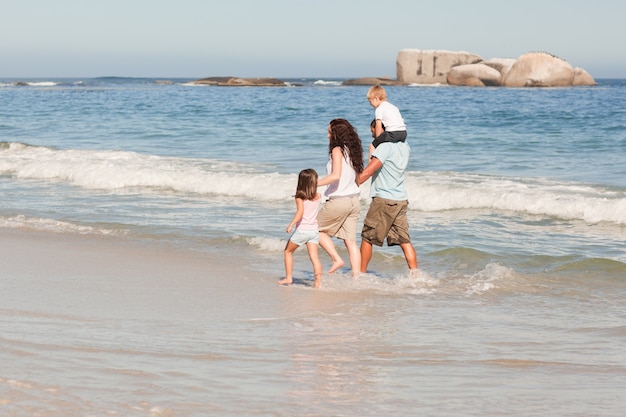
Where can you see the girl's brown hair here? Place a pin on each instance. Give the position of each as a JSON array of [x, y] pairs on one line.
[[344, 135], [307, 184]]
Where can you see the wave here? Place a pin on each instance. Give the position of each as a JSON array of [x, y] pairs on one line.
[[31, 84], [117, 170], [428, 191], [327, 83], [97, 82], [439, 191], [460, 271], [490, 280], [597, 267], [56, 226], [428, 85]]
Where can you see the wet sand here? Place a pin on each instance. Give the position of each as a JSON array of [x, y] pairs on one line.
[[102, 276]]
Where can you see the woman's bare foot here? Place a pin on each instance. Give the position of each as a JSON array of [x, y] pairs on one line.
[[318, 281], [336, 265], [285, 281]]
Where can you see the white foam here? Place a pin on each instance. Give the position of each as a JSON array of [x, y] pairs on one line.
[[403, 283], [42, 84], [439, 191], [327, 83], [428, 191], [267, 244], [112, 170], [52, 225], [486, 279]]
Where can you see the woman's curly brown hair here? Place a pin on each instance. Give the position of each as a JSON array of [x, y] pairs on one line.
[[344, 135]]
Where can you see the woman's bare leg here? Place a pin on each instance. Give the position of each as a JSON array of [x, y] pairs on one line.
[[355, 256], [326, 242]]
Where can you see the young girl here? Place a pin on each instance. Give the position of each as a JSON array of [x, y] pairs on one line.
[[305, 220]]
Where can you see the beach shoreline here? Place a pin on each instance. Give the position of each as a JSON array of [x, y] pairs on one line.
[[75, 274]]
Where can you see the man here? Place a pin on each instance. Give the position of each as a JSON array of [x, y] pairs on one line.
[[386, 216]]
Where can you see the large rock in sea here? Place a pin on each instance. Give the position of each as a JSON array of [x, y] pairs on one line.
[[582, 77], [539, 69], [371, 81], [414, 66], [240, 82], [474, 75], [503, 65]]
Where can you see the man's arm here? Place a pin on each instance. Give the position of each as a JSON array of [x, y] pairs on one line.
[[374, 165], [378, 128]]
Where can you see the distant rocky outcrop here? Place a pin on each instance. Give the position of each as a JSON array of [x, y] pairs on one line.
[[458, 68], [372, 81], [476, 75], [240, 82], [414, 66], [539, 69], [534, 69], [582, 77]]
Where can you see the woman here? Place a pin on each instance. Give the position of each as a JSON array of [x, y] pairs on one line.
[[339, 216]]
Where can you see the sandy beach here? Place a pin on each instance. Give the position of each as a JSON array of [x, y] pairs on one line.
[[111, 277], [103, 326]]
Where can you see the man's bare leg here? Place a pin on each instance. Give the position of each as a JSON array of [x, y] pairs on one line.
[[366, 255], [410, 255]]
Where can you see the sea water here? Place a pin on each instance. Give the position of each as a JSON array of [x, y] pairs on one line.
[[517, 210]]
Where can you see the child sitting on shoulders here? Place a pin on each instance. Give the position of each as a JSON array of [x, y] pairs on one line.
[[389, 126]]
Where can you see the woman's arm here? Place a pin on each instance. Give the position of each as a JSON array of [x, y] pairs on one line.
[[298, 216], [337, 158]]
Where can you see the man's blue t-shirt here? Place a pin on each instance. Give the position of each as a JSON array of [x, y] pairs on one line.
[[388, 181]]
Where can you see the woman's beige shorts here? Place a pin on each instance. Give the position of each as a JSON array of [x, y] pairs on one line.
[[339, 217]]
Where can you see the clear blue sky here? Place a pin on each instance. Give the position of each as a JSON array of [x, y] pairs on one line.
[[295, 38]]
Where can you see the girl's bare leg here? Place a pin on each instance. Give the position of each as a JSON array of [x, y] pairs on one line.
[[290, 248], [312, 248]]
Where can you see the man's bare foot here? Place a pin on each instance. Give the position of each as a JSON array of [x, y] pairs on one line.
[[336, 265], [285, 281]]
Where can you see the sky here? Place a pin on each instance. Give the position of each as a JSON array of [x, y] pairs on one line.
[[295, 38]]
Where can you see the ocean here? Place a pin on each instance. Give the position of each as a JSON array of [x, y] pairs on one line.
[[143, 223]]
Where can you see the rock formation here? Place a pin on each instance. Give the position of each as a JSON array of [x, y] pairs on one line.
[[477, 75], [414, 66], [534, 69], [372, 81], [240, 82], [582, 77], [539, 69]]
